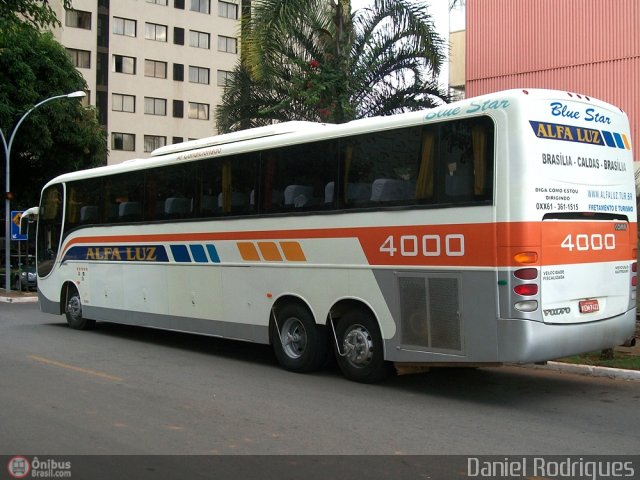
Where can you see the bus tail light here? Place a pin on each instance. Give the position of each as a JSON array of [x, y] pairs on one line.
[[527, 306], [634, 274], [526, 274], [526, 290], [526, 257]]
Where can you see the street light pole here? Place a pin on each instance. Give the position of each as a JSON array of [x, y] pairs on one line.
[[7, 201]]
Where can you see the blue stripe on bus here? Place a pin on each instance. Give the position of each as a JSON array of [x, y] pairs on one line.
[[213, 253], [117, 253], [618, 139], [144, 253], [197, 252], [180, 253], [608, 138]]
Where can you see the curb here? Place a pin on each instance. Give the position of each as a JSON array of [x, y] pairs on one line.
[[589, 370], [19, 299]]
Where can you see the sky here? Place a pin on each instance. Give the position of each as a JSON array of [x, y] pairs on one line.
[[444, 22]]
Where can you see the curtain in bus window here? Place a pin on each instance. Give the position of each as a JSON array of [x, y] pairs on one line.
[[52, 203], [348, 156], [72, 207], [424, 182], [479, 141], [268, 199], [226, 187]]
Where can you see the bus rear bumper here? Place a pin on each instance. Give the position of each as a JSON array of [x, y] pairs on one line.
[[525, 341]]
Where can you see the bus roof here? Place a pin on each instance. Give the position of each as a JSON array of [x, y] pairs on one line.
[[239, 136]]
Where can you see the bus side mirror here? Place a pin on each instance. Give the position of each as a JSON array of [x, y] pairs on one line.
[[28, 217]]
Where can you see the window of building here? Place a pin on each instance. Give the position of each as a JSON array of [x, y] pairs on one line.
[[102, 26], [80, 58], [151, 142], [123, 64], [155, 68], [198, 75], [78, 19], [123, 103], [199, 111], [224, 77], [178, 109], [228, 10], [227, 44], [124, 26], [178, 36], [123, 141], [202, 6], [155, 106], [199, 39], [177, 140], [178, 72], [156, 32], [158, 2], [178, 4]]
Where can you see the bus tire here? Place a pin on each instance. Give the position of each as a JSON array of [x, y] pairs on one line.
[[73, 312], [361, 355], [300, 345]]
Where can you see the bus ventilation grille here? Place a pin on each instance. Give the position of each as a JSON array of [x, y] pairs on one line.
[[429, 310]]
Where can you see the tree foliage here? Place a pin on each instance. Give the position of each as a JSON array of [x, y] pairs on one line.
[[60, 136], [315, 60], [37, 13]]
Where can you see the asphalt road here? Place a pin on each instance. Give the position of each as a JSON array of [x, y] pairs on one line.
[[126, 390]]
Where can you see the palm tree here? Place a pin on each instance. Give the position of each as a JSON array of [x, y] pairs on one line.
[[315, 60]]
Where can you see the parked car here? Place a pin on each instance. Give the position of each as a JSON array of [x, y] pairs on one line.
[[23, 273]]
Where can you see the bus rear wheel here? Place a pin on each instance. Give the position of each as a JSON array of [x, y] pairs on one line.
[[361, 353], [300, 345], [73, 311]]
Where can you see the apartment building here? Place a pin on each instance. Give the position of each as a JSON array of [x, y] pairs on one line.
[[155, 69]]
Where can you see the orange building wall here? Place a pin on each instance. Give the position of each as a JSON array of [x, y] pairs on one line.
[[584, 46]]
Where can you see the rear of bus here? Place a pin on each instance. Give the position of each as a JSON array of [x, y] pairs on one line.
[[567, 231]]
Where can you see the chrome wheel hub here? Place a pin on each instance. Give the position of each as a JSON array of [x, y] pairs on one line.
[[358, 346], [293, 337]]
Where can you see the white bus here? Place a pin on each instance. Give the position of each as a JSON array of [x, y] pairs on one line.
[[497, 229]]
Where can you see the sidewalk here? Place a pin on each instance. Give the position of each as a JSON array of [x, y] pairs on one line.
[[14, 296], [617, 373], [594, 371]]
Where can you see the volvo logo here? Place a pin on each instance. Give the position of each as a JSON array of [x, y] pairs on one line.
[[557, 311]]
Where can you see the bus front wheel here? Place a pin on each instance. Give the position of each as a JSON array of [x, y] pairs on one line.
[[361, 353], [73, 312], [300, 345]]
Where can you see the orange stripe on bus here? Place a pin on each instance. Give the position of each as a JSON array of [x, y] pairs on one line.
[[269, 251], [450, 245], [248, 251], [293, 251]]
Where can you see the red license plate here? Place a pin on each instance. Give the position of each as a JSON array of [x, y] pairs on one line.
[[588, 306]]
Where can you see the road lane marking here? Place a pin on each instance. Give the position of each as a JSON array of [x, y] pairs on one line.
[[47, 361]]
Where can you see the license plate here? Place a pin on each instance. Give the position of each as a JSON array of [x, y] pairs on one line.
[[588, 306]]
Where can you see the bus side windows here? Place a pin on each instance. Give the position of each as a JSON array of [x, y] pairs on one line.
[[89, 214], [130, 211], [298, 196], [466, 160], [392, 190], [177, 207]]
